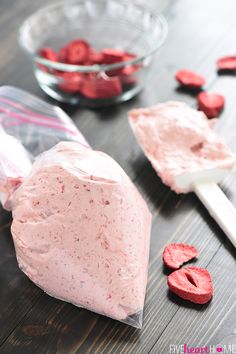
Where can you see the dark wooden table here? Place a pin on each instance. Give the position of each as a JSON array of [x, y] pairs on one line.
[[32, 322]]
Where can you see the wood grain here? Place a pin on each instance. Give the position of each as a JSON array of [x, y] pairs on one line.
[[31, 321]]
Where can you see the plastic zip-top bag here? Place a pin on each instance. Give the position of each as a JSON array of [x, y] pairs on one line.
[[80, 227], [36, 126]]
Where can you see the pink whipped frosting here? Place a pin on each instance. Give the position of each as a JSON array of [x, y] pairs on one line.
[[81, 231], [177, 140]]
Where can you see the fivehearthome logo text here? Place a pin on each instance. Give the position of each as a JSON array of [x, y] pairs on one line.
[[185, 348]]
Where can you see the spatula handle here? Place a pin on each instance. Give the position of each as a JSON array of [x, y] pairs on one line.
[[219, 207]]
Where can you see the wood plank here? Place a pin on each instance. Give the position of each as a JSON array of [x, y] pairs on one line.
[[39, 323], [196, 326]]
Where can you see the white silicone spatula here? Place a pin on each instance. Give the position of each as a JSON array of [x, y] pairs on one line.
[[204, 184]]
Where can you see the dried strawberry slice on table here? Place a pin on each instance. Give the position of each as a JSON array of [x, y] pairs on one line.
[[101, 87], [189, 79], [77, 52], [210, 103], [192, 283], [227, 63], [175, 254]]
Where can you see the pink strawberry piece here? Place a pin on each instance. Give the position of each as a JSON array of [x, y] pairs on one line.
[[48, 53], [189, 79], [129, 80], [95, 57], [62, 55], [77, 52], [210, 103], [192, 283], [72, 82], [125, 70], [101, 87], [175, 254], [129, 70], [227, 63], [111, 56]]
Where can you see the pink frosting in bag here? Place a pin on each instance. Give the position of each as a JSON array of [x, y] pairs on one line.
[[81, 231], [177, 140]]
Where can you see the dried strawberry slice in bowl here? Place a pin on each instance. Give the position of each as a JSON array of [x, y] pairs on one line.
[[101, 86], [128, 69], [95, 57], [71, 82], [62, 55], [112, 56], [48, 53], [77, 52]]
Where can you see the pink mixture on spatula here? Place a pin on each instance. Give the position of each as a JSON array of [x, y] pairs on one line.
[[179, 141]]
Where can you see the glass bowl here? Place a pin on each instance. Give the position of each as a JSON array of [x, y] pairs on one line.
[[103, 24]]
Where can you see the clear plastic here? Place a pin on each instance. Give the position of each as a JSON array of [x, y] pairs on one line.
[[71, 190], [28, 126], [36, 124], [15, 165], [93, 245]]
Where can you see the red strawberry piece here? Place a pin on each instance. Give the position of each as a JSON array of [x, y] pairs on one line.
[[71, 82], [129, 80], [129, 56], [77, 52], [210, 103], [125, 75], [126, 71], [112, 56], [62, 55], [43, 68], [227, 63], [192, 283], [175, 254], [48, 53], [189, 79], [95, 57], [129, 70], [101, 87]]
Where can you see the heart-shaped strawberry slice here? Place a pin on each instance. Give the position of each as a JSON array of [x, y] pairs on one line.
[[210, 103], [175, 254], [192, 283]]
